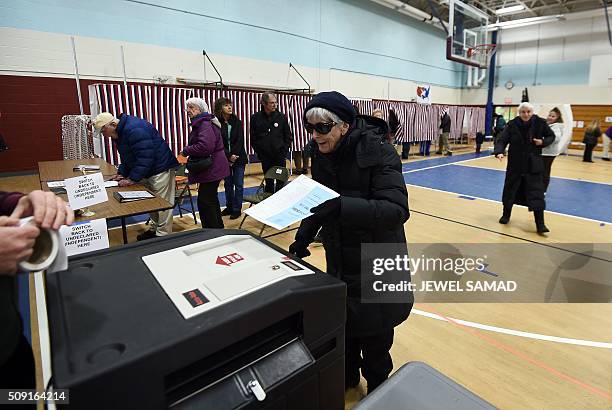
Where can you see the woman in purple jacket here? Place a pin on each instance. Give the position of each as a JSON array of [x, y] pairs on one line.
[[205, 140]]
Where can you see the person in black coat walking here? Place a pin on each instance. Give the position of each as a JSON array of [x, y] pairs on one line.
[[351, 155], [270, 137], [233, 141], [527, 134]]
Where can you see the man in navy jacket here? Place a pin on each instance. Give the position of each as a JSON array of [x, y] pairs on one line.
[[145, 159]]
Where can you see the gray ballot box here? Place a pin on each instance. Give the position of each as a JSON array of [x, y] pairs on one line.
[[421, 387], [207, 319]]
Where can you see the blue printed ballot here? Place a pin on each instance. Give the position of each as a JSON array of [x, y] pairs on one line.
[[292, 203]]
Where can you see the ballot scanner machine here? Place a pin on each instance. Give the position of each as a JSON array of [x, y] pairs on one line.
[[207, 319]]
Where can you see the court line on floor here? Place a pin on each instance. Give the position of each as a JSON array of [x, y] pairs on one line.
[[519, 333], [523, 356], [443, 165], [499, 202], [552, 176], [549, 245]]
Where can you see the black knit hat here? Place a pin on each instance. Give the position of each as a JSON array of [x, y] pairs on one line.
[[334, 102]]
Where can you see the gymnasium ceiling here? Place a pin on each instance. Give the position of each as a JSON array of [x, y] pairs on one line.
[[533, 8]]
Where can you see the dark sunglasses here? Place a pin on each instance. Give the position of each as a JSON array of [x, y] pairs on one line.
[[321, 127]]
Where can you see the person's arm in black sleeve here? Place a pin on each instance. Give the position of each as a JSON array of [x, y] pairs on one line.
[[502, 142], [388, 206], [253, 133], [305, 235], [238, 139]]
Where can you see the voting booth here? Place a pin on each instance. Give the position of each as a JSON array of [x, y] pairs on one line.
[[214, 319]]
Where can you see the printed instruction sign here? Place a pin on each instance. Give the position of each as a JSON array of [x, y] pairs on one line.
[[86, 190], [84, 237]]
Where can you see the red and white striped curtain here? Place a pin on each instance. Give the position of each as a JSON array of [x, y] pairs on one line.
[[456, 115], [164, 107], [474, 120]]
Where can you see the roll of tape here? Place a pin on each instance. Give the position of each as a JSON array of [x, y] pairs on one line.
[[46, 249]]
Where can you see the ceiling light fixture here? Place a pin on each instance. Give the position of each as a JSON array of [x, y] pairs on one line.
[[510, 9], [525, 22]]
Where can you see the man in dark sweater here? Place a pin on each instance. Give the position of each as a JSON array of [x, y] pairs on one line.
[[270, 137], [445, 126], [16, 244]]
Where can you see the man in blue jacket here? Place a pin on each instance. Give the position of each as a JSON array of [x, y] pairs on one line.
[[145, 159]]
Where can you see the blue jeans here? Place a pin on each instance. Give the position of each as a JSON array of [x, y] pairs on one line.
[[234, 189], [424, 148]]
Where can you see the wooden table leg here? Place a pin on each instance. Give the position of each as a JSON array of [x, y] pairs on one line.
[[124, 230]]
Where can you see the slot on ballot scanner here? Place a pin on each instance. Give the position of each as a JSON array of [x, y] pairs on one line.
[[272, 338]]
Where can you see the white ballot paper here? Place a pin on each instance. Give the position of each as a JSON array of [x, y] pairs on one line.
[[203, 275], [292, 203]]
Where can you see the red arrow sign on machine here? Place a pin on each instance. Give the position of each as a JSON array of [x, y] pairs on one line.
[[230, 259]]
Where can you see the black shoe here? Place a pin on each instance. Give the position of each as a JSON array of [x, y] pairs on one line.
[[304, 171], [606, 159], [504, 219], [438, 152], [235, 216], [542, 228], [226, 212], [584, 160], [449, 154], [150, 234]]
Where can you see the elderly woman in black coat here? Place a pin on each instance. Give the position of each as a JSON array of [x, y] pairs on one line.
[[351, 155], [527, 134]]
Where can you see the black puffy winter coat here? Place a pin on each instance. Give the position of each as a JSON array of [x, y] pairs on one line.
[[524, 184], [367, 173]]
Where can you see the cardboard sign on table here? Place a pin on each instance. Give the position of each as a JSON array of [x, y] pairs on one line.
[[86, 190]]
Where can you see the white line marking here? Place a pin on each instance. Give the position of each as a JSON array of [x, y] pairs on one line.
[[552, 176], [441, 165], [519, 333], [499, 202]]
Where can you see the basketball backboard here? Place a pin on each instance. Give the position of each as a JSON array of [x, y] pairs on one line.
[[468, 40]]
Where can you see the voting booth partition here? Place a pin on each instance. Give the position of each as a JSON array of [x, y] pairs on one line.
[[213, 319]]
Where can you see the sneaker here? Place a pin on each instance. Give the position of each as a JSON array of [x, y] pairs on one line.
[[449, 154], [226, 212], [504, 220], [150, 234], [235, 216]]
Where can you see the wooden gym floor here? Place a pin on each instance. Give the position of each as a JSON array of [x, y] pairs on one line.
[[518, 356]]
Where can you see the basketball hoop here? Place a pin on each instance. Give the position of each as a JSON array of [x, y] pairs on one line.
[[482, 52]]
